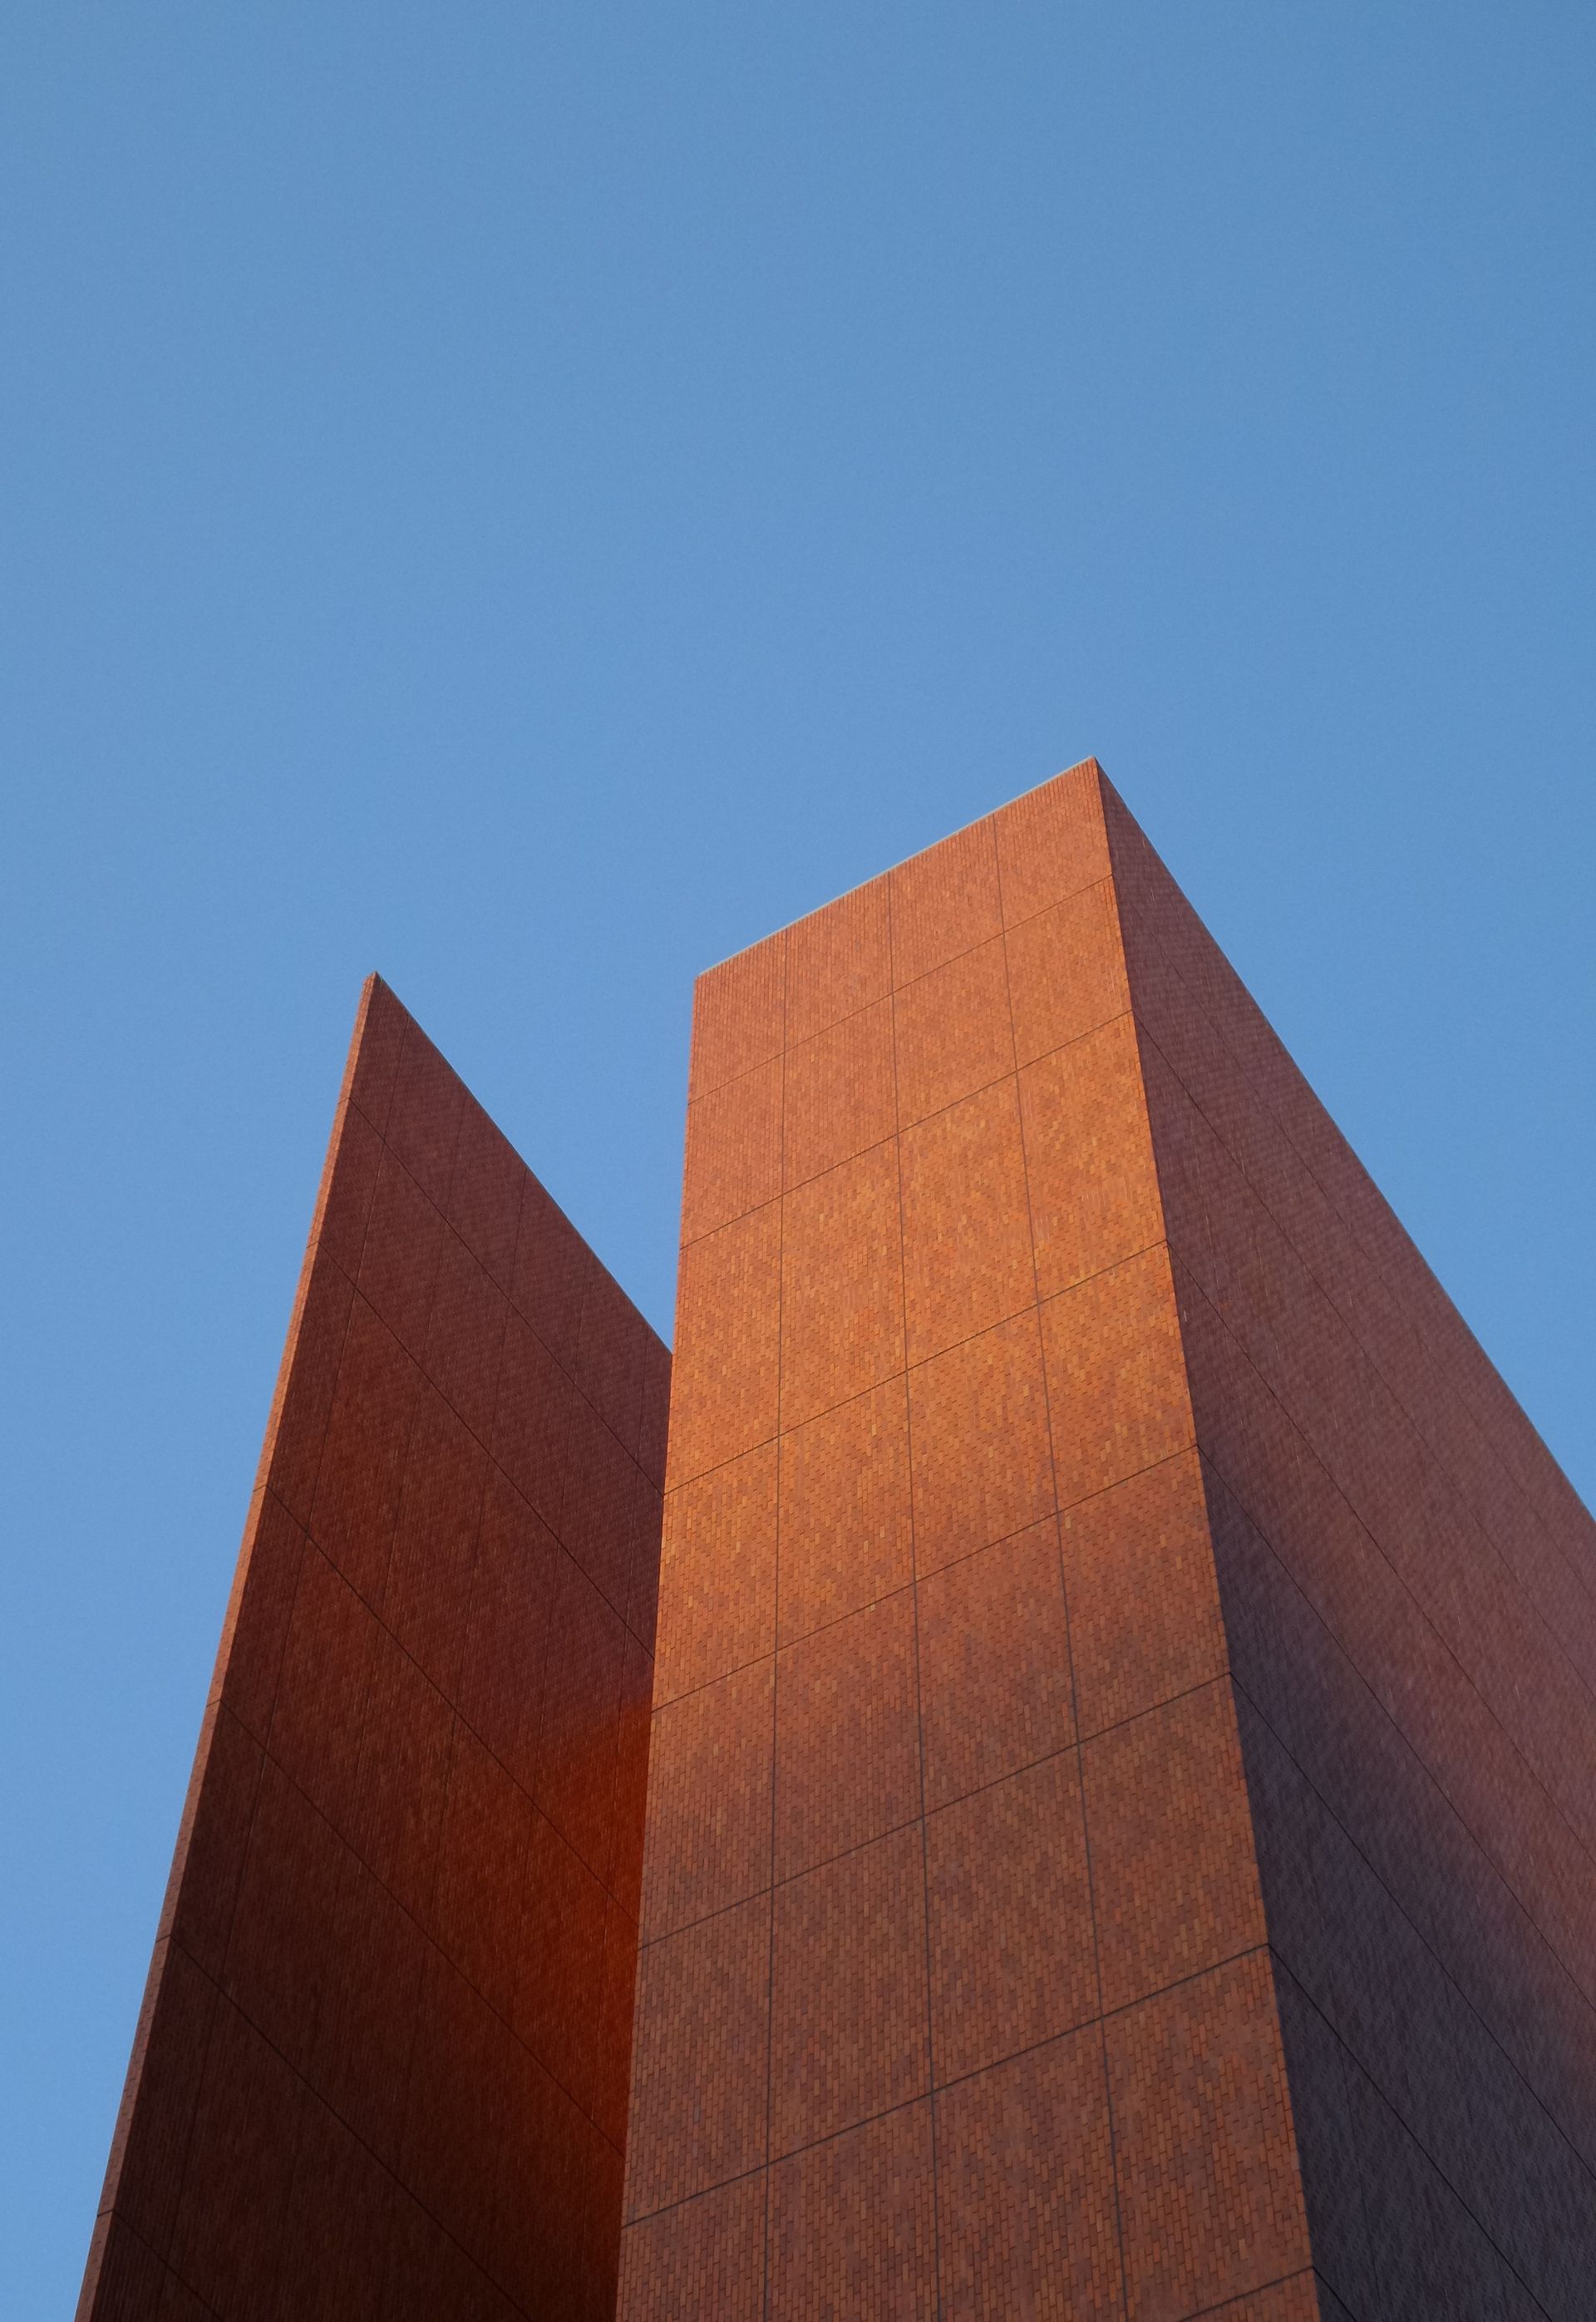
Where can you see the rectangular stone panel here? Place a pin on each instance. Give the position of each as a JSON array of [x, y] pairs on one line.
[[1008, 1894], [838, 961], [1116, 1388], [1066, 973], [733, 1150], [1088, 1157], [700, 2099], [1145, 1623], [1173, 1873], [1211, 2199], [717, 1598], [841, 1285], [847, 1535], [838, 1095], [981, 1457], [710, 1827], [995, 1665], [703, 2256], [951, 1032], [1052, 841], [944, 901], [853, 2224], [728, 1316], [738, 1014], [848, 1994], [1025, 2189], [847, 1744], [967, 1260]]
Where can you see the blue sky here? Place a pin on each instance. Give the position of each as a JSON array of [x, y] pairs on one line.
[[529, 497]]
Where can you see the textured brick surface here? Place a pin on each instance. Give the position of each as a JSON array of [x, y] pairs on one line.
[[945, 1751], [1025, 2189], [1408, 1591], [847, 1522], [1120, 1822], [1128, 1534], [852, 2223], [1210, 2202], [1009, 1896], [382, 2065]]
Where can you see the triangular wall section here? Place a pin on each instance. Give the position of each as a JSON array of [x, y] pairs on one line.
[[382, 2064]]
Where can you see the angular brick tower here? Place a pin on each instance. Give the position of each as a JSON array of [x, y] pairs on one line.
[[1122, 1810], [382, 2063]]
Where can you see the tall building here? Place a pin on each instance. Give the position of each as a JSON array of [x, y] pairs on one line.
[[1121, 1802]]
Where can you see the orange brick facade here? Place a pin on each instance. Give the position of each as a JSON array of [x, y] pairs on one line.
[[1409, 1591], [956, 1996], [382, 2065], [1121, 1799], [1120, 1816]]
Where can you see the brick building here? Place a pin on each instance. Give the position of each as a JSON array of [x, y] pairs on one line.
[[381, 2067], [1121, 1807]]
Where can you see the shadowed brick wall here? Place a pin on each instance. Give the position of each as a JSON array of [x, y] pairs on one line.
[[1409, 1594], [382, 2063], [955, 1996]]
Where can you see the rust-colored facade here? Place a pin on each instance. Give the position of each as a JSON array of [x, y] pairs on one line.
[[381, 2068], [1408, 1592], [1121, 1788], [1124, 1764]]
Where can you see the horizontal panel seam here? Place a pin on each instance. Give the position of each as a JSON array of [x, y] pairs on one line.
[[905, 1128], [962, 2079]]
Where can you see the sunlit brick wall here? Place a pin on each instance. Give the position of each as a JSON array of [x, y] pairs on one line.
[[953, 1993]]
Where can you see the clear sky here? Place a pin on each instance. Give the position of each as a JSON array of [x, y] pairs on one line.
[[529, 497]]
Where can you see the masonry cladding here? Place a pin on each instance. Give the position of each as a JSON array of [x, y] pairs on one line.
[[382, 2064], [1409, 1595], [954, 1991], [1120, 1818]]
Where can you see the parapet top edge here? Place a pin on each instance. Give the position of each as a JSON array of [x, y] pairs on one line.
[[1074, 767]]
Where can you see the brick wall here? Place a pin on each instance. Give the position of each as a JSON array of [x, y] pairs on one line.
[[954, 1992], [382, 2064], [1120, 1827], [1410, 1592]]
